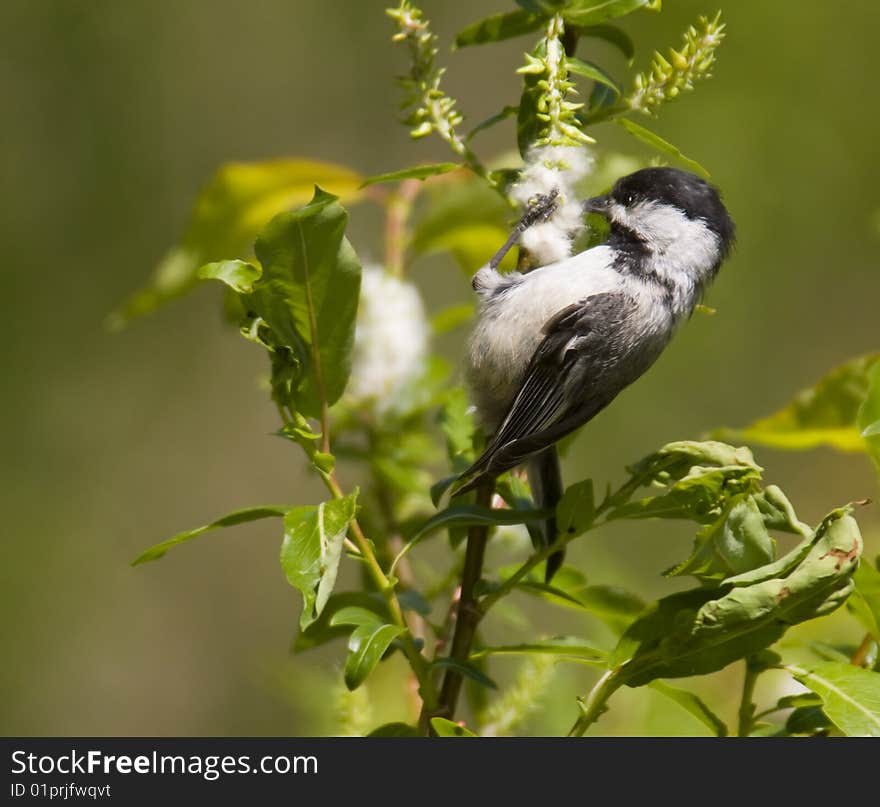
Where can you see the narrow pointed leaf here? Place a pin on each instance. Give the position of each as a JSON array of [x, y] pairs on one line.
[[468, 515], [825, 414], [230, 520], [694, 704], [230, 211], [663, 146], [416, 172], [593, 72], [559, 646], [366, 646], [467, 670], [499, 27]]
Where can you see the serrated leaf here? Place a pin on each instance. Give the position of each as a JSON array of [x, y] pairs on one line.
[[664, 147], [366, 646], [499, 27], [446, 728], [694, 704], [308, 296], [416, 172], [230, 520], [228, 214], [312, 547], [825, 414], [736, 542], [703, 630], [850, 695], [591, 71]]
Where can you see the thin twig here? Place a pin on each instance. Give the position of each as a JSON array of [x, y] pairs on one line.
[[468, 613], [397, 209], [746, 705]]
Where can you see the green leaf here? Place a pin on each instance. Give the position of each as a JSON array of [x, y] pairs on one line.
[[310, 552], [356, 616], [736, 542], [230, 520], [613, 35], [446, 728], [456, 421], [591, 12], [700, 631], [808, 721], [324, 630], [577, 509], [850, 695], [468, 515], [308, 294], [466, 218], [465, 669], [823, 415], [498, 117], [865, 602], [592, 72], [567, 646], [366, 646], [663, 146], [868, 417], [228, 214], [395, 730], [615, 606], [694, 704], [240, 276], [499, 27], [416, 172]]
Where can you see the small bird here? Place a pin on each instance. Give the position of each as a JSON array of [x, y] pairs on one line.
[[554, 346]]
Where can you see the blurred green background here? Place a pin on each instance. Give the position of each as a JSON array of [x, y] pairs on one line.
[[115, 114]]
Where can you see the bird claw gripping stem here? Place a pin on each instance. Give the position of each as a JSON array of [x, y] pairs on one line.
[[543, 206]]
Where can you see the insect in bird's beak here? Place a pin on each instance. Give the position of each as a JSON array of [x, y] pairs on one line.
[[598, 204]]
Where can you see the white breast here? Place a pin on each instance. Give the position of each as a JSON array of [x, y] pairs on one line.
[[509, 328]]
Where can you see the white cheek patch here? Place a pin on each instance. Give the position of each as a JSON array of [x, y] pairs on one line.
[[682, 250]]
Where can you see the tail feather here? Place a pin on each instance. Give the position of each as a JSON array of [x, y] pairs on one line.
[[545, 479]]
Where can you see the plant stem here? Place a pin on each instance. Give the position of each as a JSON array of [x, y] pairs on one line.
[[398, 208], [860, 657], [468, 613], [746, 706], [595, 704], [418, 663]]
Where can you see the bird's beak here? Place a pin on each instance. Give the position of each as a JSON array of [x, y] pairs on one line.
[[598, 204]]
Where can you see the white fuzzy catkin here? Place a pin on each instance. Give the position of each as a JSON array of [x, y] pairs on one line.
[[390, 341], [546, 168]]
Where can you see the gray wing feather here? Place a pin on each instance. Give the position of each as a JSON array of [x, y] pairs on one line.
[[541, 413]]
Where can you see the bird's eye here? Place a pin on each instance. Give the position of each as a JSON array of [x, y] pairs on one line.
[[630, 198]]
